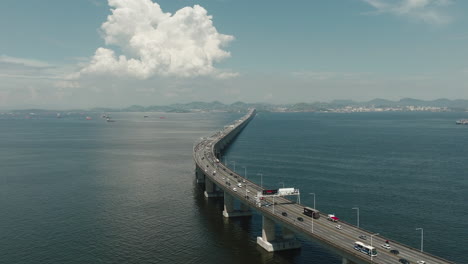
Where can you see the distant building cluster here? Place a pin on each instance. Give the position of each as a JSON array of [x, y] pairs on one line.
[[357, 109], [353, 109]]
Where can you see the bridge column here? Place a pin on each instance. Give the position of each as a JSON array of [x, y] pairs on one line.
[[228, 204], [210, 189], [199, 175], [244, 208], [270, 243], [287, 233], [230, 211]]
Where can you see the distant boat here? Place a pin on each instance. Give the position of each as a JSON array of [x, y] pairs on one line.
[[108, 119], [462, 122], [88, 118], [59, 115], [145, 116]]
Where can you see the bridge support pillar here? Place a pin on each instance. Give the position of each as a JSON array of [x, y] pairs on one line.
[[211, 190], [199, 175], [244, 208], [229, 210], [287, 233], [270, 243]]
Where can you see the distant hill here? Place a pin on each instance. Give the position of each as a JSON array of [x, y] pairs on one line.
[[455, 105], [451, 105], [343, 102], [379, 102]]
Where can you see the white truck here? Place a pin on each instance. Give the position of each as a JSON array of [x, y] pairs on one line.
[[286, 191]]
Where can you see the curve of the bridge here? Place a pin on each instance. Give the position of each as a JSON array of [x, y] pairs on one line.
[[289, 214]]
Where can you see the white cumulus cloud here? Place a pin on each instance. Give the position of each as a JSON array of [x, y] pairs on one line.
[[152, 42], [422, 10]]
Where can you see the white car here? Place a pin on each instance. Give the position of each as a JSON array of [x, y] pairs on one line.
[[421, 262], [339, 227], [234, 189], [386, 246]]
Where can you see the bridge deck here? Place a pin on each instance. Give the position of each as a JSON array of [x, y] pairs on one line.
[[324, 231]]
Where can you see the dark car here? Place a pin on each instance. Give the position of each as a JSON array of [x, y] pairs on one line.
[[284, 214], [404, 261], [394, 251], [363, 237], [300, 219]]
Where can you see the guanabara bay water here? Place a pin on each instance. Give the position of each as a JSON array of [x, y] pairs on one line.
[[89, 191]]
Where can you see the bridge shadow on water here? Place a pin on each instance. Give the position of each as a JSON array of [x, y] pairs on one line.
[[234, 239]]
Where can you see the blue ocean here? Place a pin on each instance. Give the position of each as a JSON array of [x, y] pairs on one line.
[[89, 191]]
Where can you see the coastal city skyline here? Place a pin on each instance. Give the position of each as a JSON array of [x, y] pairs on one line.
[[117, 53]]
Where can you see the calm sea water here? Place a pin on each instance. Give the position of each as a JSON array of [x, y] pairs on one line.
[[403, 170], [89, 191]]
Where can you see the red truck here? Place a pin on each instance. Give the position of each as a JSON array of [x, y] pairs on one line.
[[333, 218]]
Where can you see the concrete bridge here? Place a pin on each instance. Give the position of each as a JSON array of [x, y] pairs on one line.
[[348, 241]]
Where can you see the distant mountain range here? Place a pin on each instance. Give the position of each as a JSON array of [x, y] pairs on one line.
[[451, 105]]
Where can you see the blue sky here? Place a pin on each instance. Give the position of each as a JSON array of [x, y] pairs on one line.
[[61, 54]]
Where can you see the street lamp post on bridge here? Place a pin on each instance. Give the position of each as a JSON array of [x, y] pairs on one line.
[[314, 198], [357, 208], [371, 236], [273, 205], [422, 237], [282, 183], [261, 179], [245, 171], [313, 214]]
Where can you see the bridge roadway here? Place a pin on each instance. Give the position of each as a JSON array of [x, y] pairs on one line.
[[320, 230]]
